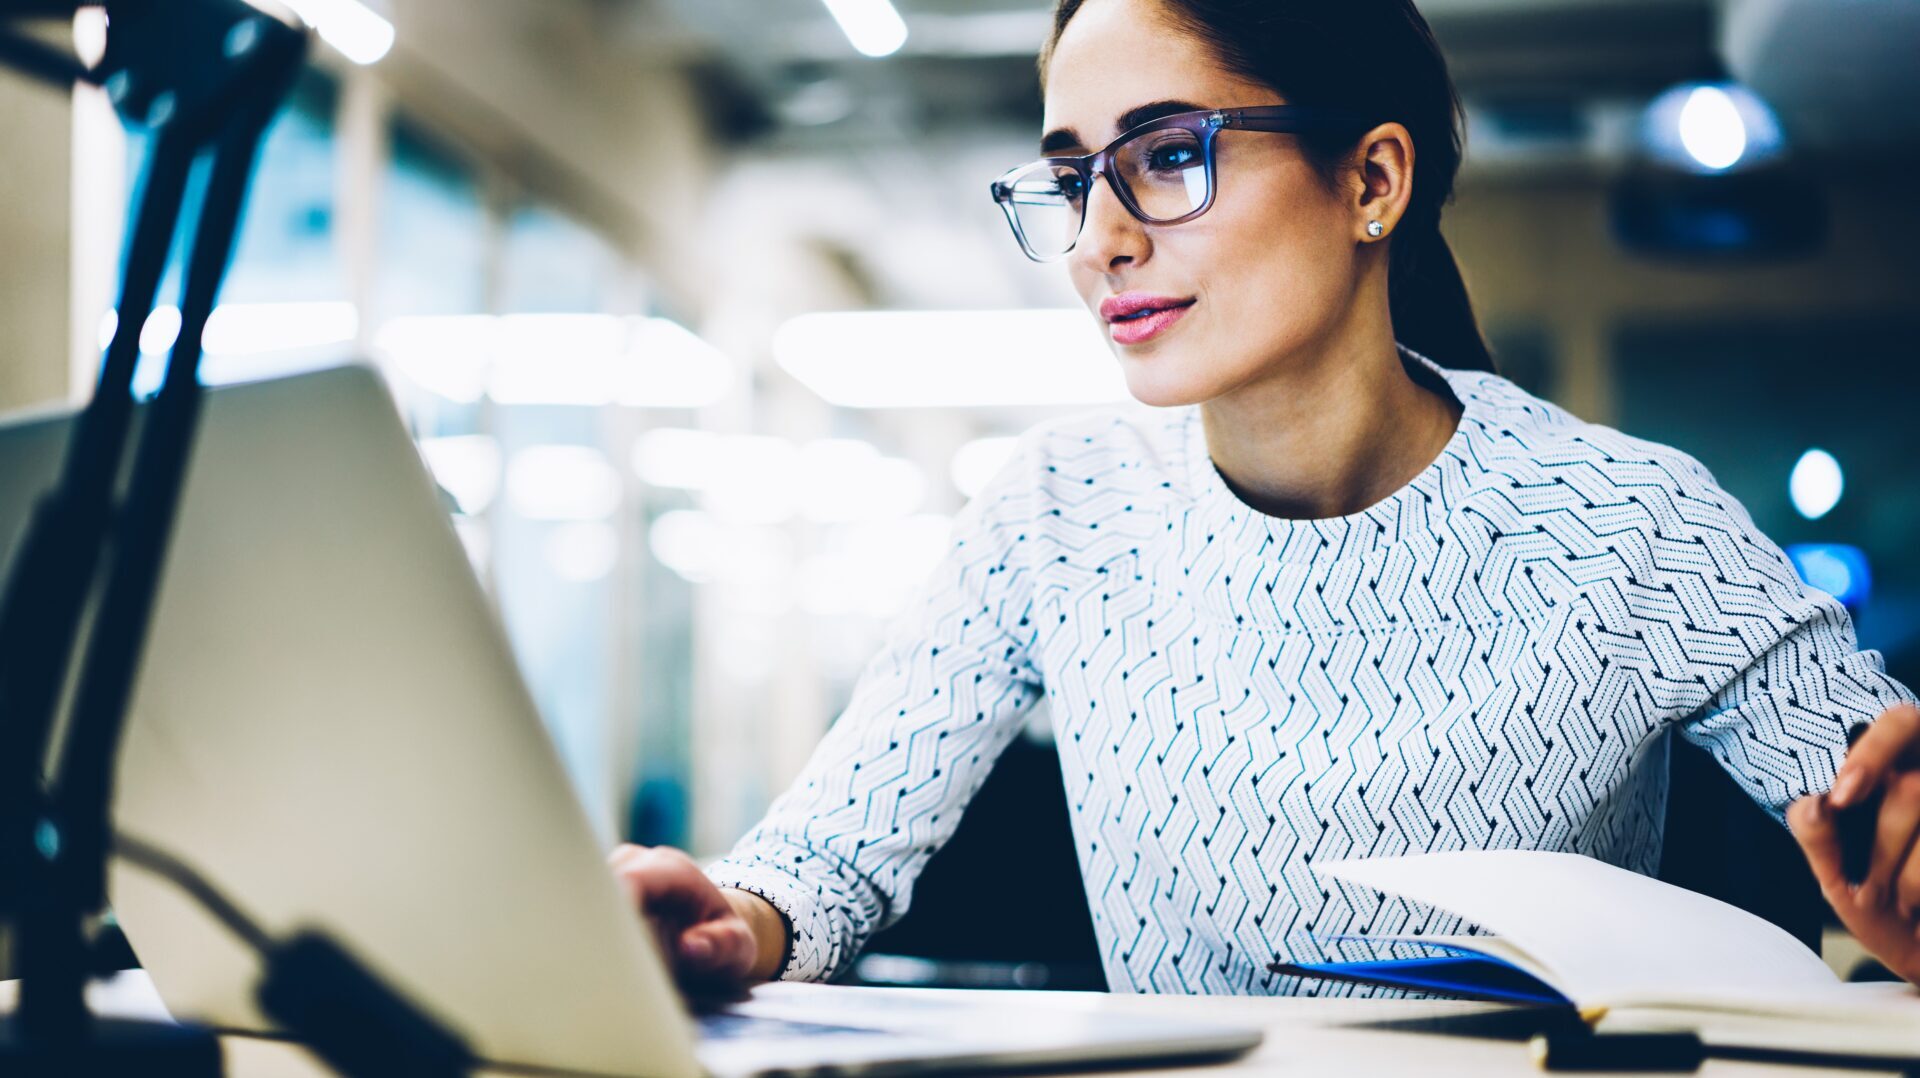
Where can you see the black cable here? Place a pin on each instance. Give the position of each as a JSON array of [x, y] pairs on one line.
[[143, 854], [320, 993]]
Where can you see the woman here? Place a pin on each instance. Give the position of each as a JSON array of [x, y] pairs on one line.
[[1347, 593]]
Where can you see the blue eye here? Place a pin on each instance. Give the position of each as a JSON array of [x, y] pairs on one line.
[[1173, 157]]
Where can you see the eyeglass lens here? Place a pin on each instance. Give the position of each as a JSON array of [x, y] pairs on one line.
[[1164, 172]]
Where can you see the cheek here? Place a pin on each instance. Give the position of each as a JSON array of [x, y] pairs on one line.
[[1270, 281], [1277, 265], [1272, 266], [1270, 233]]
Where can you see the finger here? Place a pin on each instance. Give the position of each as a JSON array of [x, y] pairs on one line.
[[619, 860], [621, 853], [1906, 886], [1892, 837], [1896, 733], [627, 863], [723, 948], [666, 882], [1811, 821]]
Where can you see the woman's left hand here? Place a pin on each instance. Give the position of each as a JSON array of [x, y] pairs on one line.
[[1883, 911]]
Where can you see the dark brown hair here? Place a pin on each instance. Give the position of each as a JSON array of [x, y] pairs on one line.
[[1377, 57]]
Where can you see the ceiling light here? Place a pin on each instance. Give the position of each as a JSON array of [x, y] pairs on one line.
[[1816, 484], [978, 461], [466, 466], [874, 568], [558, 359], [249, 328], [845, 479], [90, 35], [678, 457], [952, 359], [755, 480], [444, 355], [1711, 127], [583, 551], [688, 542], [160, 330], [360, 33], [562, 482], [1839, 569], [873, 26]]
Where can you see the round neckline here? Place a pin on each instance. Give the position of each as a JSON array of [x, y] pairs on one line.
[[1411, 509]]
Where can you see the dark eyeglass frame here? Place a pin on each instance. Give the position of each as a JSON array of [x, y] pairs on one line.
[[1204, 124]]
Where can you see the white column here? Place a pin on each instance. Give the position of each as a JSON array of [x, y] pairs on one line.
[[36, 283], [99, 225], [360, 160]]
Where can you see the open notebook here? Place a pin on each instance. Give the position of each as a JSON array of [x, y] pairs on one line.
[[1636, 952]]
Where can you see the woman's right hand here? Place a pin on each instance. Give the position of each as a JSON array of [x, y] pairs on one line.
[[706, 935]]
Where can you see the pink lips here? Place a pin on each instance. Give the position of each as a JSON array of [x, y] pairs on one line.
[[1137, 317]]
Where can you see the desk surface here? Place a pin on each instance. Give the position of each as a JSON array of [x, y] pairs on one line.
[[1304, 1036]]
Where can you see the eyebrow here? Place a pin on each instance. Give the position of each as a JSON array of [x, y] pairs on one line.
[[1063, 138]]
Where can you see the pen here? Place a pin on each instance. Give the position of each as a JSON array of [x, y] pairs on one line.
[[1855, 823]]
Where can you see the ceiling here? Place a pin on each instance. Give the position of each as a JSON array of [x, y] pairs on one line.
[[971, 61], [883, 162], [1539, 71]]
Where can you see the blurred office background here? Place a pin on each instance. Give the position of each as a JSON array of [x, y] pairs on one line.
[[706, 325]]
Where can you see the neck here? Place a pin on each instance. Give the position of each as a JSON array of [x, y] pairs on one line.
[[1330, 435]]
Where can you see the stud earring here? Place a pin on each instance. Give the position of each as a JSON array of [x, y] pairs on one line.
[[1376, 229]]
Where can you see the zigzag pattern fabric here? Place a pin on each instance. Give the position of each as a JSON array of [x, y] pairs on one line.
[[1492, 657]]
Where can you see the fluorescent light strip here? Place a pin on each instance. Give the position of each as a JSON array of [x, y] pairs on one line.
[[977, 462], [951, 359], [573, 359], [360, 33], [241, 329], [250, 328], [562, 482], [873, 26]]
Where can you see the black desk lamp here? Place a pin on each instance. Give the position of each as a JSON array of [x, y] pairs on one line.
[[205, 76]]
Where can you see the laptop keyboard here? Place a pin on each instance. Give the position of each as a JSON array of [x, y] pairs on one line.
[[724, 1026]]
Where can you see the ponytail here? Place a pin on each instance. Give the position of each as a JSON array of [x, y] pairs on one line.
[[1378, 58], [1432, 313]]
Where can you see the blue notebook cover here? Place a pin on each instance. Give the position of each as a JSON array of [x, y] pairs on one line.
[[1462, 976]]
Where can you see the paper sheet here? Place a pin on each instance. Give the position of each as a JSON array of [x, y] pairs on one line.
[[1601, 933]]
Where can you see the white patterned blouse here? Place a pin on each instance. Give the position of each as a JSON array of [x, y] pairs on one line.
[[1491, 657]]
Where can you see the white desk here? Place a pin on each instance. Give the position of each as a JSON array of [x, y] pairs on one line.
[[1304, 1036]]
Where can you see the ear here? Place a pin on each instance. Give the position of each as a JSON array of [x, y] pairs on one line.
[[1386, 180]]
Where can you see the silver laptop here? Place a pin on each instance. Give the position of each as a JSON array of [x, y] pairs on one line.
[[330, 728]]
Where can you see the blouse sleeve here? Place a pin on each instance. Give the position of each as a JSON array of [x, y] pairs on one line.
[[1778, 716], [838, 851]]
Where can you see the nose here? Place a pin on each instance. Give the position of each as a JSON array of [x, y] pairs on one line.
[[1110, 237]]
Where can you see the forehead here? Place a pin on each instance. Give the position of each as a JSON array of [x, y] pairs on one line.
[[1118, 54]]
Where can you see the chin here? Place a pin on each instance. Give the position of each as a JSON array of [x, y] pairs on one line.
[[1162, 382]]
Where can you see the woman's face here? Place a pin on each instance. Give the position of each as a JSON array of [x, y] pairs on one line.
[[1265, 274]]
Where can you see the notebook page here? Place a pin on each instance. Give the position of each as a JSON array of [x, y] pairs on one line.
[[1872, 1019], [1599, 932]]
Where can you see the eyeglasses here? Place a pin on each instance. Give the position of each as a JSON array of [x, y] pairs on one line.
[[1162, 171]]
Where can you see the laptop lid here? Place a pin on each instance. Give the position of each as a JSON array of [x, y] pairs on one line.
[[330, 728]]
